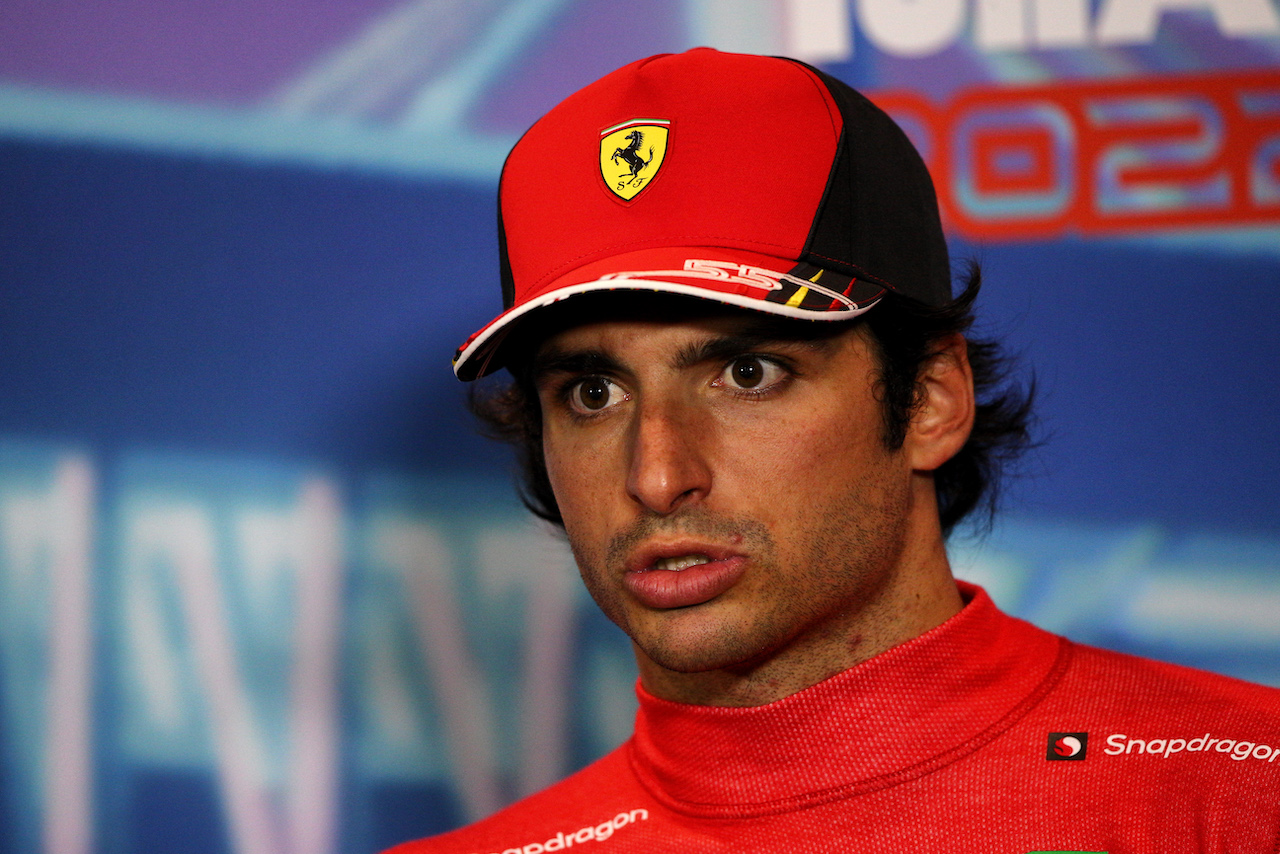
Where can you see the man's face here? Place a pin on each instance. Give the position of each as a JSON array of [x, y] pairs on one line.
[[727, 492]]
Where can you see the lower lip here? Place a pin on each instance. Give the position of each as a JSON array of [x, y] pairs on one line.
[[665, 588]]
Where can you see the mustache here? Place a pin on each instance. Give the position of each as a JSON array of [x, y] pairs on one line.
[[699, 523]]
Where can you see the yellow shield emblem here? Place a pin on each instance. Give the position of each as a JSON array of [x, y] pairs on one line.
[[631, 155]]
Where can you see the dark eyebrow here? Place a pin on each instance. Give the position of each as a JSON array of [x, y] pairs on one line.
[[764, 334], [555, 361], [727, 346]]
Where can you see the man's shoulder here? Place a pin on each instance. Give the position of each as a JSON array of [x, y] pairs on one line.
[[1166, 719], [1148, 750], [592, 804], [1127, 682]]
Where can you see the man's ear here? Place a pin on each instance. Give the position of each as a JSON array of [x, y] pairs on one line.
[[943, 417]]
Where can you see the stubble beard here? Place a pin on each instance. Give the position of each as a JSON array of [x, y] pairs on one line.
[[844, 565]]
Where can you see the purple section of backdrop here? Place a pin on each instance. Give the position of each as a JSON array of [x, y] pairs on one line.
[[231, 52]]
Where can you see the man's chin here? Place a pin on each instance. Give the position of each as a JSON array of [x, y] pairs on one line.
[[685, 663], [702, 654]]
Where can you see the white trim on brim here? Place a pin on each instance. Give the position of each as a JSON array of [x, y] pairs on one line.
[[503, 322], [632, 122]]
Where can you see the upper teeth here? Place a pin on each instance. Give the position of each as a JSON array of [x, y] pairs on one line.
[[675, 564]]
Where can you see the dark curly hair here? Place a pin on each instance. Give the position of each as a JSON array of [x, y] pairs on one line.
[[905, 334]]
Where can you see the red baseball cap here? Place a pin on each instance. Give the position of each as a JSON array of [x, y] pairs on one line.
[[757, 182]]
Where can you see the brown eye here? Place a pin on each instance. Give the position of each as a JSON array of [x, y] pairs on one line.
[[754, 374], [593, 395], [746, 373]]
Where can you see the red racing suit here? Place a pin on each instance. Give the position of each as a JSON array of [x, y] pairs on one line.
[[985, 735]]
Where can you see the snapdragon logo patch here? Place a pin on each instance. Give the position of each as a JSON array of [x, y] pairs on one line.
[[1119, 744], [1067, 746]]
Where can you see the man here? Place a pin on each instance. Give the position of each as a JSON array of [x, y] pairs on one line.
[[741, 386]]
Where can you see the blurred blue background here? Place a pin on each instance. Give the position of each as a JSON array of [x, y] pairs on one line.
[[261, 583]]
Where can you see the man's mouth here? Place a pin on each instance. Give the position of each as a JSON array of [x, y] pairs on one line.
[[681, 580], [677, 564]]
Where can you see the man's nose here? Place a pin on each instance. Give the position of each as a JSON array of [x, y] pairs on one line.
[[669, 467]]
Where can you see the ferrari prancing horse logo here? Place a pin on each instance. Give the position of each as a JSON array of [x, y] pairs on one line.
[[631, 154]]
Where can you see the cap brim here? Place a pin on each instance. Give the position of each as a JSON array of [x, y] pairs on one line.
[[742, 279]]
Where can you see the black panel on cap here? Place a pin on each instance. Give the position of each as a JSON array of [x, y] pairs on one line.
[[879, 214]]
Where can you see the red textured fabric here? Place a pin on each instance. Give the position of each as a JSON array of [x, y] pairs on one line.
[[938, 745]]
